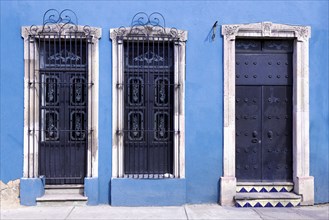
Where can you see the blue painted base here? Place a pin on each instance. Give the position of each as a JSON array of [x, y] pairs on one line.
[[148, 192], [91, 190], [30, 189]]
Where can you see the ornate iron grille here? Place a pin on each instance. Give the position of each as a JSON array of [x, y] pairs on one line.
[[149, 100], [58, 56]]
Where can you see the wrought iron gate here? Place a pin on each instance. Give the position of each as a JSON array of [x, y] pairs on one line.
[[264, 110], [149, 81], [58, 52], [149, 96]]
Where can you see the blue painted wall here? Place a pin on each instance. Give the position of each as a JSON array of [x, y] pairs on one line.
[[204, 75]]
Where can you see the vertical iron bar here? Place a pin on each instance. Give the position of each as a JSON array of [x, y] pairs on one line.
[[143, 150], [155, 85], [64, 145], [178, 103], [40, 91], [167, 146], [91, 101], [47, 144], [29, 107], [34, 104]]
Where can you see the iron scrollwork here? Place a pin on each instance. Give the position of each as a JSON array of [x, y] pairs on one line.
[[64, 56], [143, 24], [149, 57], [56, 22]]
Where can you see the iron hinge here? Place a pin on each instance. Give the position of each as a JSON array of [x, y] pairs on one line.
[[119, 85], [119, 132]]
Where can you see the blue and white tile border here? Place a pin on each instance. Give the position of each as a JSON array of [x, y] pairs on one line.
[[267, 203], [260, 189]]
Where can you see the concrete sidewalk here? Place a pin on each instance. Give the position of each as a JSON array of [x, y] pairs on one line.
[[212, 211]]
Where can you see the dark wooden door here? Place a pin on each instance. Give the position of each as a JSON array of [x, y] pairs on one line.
[[263, 110]]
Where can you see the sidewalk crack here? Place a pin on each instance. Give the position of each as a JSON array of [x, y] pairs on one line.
[[258, 213], [186, 212], [70, 212]]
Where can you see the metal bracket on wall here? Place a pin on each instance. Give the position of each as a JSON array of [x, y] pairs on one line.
[[214, 31]]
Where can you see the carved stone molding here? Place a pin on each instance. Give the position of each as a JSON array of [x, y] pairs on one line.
[[62, 29], [302, 32], [266, 29], [230, 30], [154, 31]]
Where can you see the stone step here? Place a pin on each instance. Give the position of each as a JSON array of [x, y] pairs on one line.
[[268, 199], [62, 199], [261, 187], [64, 189]]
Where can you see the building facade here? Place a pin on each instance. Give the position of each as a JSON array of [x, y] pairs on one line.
[[166, 106]]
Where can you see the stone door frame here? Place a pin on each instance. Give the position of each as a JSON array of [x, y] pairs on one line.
[[303, 182]]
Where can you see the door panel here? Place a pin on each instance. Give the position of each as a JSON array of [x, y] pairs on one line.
[[277, 133], [248, 133], [264, 69]]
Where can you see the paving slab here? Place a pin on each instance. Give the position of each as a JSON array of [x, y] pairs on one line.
[[219, 212], [110, 212], [206, 211], [277, 213], [35, 212], [313, 212]]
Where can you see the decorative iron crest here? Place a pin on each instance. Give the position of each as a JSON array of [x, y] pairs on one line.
[[146, 25], [57, 22]]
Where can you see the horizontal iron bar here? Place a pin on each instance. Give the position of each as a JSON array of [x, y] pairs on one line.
[[62, 130], [148, 84], [150, 176], [65, 68], [66, 178], [61, 83], [145, 130]]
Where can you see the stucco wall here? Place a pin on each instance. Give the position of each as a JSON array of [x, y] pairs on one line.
[[204, 75]]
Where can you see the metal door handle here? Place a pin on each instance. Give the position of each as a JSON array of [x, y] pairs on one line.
[[270, 134], [254, 140], [254, 134]]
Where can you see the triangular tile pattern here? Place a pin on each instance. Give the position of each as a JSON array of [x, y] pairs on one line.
[[289, 204], [243, 190], [279, 205], [268, 205], [259, 203], [278, 188], [283, 190], [247, 204], [253, 190], [263, 190]]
